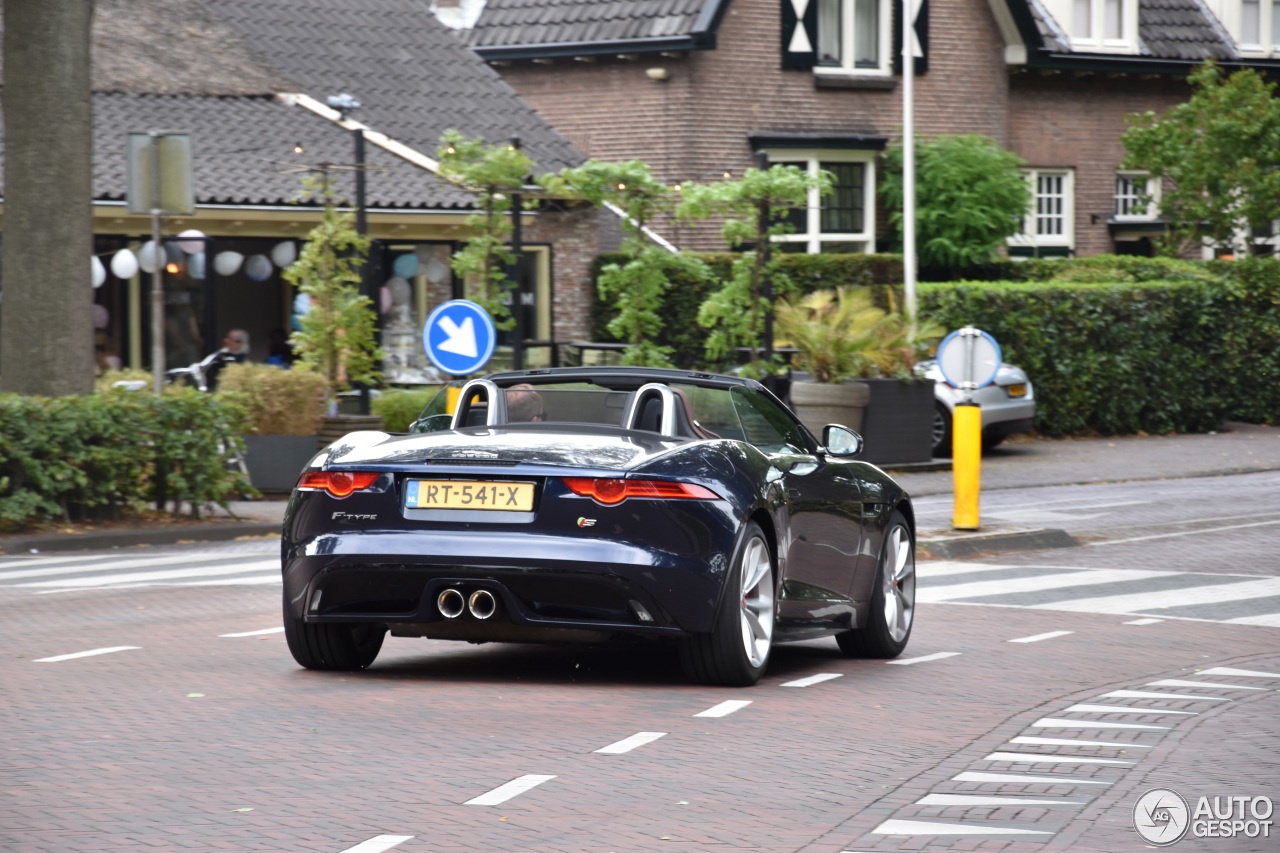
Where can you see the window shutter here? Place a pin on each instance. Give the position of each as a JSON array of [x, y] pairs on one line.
[[799, 33], [922, 34]]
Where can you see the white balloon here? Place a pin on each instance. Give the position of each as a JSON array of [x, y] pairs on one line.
[[191, 241], [99, 272], [228, 263], [124, 264], [436, 271], [147, 257], [258, 268], [284, 254]]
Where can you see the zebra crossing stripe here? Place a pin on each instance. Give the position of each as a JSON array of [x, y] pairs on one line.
[[1064, 580], [1153, 694], [1238, 673], [1055, 723], [1062, 741], [1043, 758], [1022, 778], [1122, 709], [979, 800], [1178, 682], [1145, 602], [151, 577], [921, 827]]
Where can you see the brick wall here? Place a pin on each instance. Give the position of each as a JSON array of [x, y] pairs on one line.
[[1063, 120], [573, 234]]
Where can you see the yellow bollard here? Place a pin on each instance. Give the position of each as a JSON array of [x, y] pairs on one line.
[[966, 463]]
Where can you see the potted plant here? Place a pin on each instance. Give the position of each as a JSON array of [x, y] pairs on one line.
[[284, 408], [336, 335], [858, 369]]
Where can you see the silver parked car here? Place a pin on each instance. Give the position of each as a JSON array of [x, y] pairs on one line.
[[1008, 406]]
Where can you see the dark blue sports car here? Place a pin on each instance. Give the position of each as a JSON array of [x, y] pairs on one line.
[[593, 504]]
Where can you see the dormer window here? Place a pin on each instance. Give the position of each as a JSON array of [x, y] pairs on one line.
[[851, 37], [1259, 25], [1098, 26]]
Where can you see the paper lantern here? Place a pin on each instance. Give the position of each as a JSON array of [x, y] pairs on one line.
[[197, 266], [101, 317], [227, 263], [406, 266], [124, 264], [284, 254], [99, 272], [148, 257], [400, 291], [258, 268], [191, 241], [436, 271]]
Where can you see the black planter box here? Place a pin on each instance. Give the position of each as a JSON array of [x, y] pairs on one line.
[[898, 424], [275, 461]]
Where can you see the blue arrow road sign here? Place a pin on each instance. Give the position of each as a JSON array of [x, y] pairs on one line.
[[459, 337]]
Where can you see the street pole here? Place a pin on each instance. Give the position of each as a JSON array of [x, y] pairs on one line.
[[766, 284], [362, 228], [909, 164], [157, 276], [517, 273]]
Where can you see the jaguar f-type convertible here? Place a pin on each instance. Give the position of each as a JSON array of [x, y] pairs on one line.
[[600, 504]]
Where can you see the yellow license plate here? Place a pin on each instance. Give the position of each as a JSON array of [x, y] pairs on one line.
[[469, 494], [1019, 390]]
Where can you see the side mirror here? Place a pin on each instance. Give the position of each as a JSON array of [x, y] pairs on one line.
[[841, 441]]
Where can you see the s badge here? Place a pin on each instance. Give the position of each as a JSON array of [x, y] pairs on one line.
[[586, 522]]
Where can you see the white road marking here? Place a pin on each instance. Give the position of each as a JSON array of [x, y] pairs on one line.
[[1180, 533], [945, 568], [54, 571], [1177, 682], [1004, 778], [978, 800], [1142, 602], [1267, 620], [630, 743], [813, 679], [1239, 673], [88, 654], [1061, 741], [1155, 694], [378, 844], [1039, 583], [256, 633], [1055, 723], [1033, 758], [922, 827], [514, 788], [1038, 637], [725, 708], [1122, 709], [147, 577], [924, 659], [1144, 622]]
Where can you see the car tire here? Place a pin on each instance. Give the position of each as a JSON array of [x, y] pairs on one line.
[[941, 430], [890, 616], [333, 646], [736, 651]]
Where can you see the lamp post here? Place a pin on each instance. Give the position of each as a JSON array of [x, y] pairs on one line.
[[345, 104]]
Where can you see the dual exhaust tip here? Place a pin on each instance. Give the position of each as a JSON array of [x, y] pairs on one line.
[[481, 604]]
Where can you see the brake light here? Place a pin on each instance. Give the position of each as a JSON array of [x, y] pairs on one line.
[[614, 490], [337, 483]]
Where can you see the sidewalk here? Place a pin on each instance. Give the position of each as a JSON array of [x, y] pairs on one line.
[[1238, 448]]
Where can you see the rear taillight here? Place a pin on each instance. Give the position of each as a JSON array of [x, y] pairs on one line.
[[337, 483], [614, 490]]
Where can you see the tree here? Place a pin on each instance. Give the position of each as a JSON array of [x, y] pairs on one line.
[[971, 197], [1218, 155], [756, 209], [46, 325], [336, 335], [493, 173], [638, 286]]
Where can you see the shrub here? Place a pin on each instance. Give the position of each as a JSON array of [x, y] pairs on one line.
[[400, 407], [276, 401]]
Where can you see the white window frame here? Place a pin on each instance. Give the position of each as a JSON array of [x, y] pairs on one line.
[[1030, 236], [813, 237], [846, 67], [1232, 15], [1096, 40], [1152, 189]]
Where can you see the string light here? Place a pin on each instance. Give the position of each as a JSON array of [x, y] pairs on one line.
[[621, 187], [297, 148], [451, 150], [171, 268]]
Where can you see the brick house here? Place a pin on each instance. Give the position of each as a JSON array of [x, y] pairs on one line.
[[249, 81], [695, 87]]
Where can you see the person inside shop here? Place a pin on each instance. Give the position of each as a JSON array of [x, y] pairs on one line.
[[235, 349]]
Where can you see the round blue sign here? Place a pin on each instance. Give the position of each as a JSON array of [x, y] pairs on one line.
[[459, 337]]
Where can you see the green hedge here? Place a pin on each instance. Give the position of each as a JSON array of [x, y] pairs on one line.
[[1167, 356], [107, 455], [399, 407]]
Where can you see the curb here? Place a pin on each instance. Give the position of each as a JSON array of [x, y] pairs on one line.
[[212, 532], [962, 545]]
